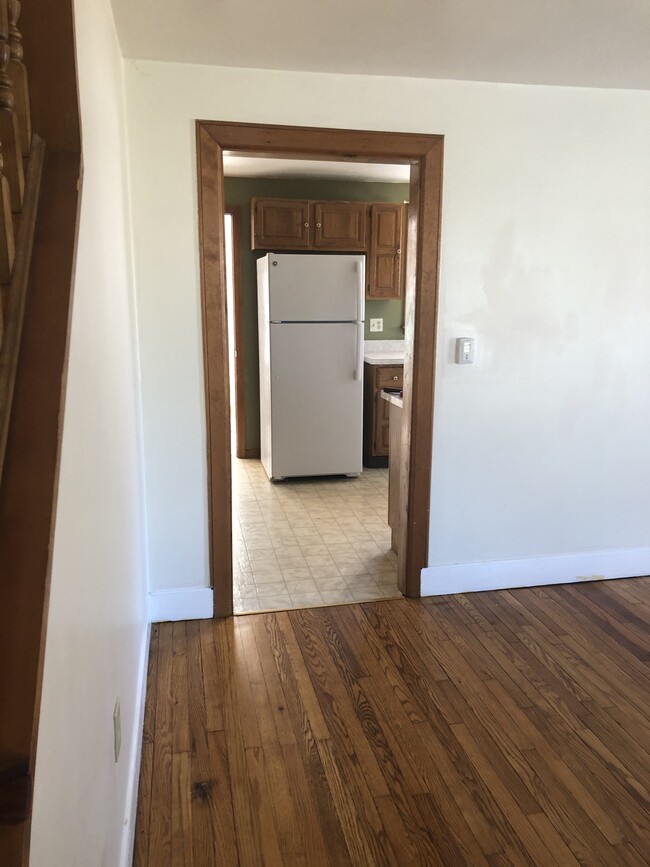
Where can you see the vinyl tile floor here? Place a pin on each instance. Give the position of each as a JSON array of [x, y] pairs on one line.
[[310, 542]]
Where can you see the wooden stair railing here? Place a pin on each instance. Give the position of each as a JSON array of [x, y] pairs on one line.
[[21, 155], [21, 165], [38, 235], [9, 131]]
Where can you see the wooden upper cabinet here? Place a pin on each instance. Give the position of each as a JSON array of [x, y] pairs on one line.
[[340, 226], [385, 254], [280, 224]]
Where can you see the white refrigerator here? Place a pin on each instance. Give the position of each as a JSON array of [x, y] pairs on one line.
[[311, 333]]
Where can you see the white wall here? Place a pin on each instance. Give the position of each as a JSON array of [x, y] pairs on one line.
[[541, 447], [97, 626]]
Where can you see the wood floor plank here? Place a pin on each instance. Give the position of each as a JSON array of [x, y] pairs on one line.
[[261, 806], [298, 685], [213, 683], [289, 831], [271, 655], [219, 801], [143, 815], [619, 807], [491, 772], [380, 668], [604, 628], [321, 846], [237, 708], [304, 765], [365, 835], [181, 718], [182, 834], [579, 833], [336, 706], [553, 840], [405, 659], [403, 844], [614, 680], [504, 729], [259, 694], [149, 727], [160, 823], [420, 773], [623, 613], [622, 623], [207, 773]]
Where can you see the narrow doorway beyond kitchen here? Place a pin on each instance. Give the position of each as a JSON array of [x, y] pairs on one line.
[[310, 542]]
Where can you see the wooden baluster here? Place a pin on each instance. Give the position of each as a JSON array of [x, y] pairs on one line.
[[7, 249], [9, 135], [18, 75]]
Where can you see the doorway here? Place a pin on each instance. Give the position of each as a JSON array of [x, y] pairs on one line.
[[423, 154]]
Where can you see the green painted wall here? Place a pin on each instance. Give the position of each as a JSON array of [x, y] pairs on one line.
[[240, 191]]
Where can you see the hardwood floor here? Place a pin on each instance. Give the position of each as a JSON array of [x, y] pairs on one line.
[[503, 728]]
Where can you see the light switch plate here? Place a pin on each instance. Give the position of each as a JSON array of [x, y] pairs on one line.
[[376, 324], [464, 350]]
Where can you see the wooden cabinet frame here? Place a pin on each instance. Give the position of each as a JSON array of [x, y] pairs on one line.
[[424, 154], [310, 217]]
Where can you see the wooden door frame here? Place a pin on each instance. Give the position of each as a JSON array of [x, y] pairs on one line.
[[424, 154], [238, 328]]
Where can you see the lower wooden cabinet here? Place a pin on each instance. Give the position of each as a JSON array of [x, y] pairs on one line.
[[375, 411]]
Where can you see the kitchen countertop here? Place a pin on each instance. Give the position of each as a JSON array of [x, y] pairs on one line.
[[383, 352], [395, 399]]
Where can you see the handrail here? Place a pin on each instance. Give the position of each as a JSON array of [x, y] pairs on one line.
[[16, 294], [38, 231], [21, 167]]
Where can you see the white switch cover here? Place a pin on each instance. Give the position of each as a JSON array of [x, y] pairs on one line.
[[376, 324], [464, 350]]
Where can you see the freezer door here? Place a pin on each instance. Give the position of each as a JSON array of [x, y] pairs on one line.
[[316, 400], [316, 288]]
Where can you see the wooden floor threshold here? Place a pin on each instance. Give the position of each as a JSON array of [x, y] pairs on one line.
[[502, 728]]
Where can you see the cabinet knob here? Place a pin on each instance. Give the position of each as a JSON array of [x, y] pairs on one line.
[[306, 225], [318, 225], [396, 378], [398, 251]]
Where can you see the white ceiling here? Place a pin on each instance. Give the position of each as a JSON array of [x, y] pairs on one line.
[[256, 167], [593, 43]]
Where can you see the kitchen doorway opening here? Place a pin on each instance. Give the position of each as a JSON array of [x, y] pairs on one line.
[[423, 157], [321, 535]]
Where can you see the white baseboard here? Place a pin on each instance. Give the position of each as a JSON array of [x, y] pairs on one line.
[[534, 572], [128, 840], [191, 603]]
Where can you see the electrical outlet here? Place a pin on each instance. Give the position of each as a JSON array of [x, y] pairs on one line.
[[117, 729], [376, 324]]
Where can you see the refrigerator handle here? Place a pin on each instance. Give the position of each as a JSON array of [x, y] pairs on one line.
[[360, 335], [361, 289]]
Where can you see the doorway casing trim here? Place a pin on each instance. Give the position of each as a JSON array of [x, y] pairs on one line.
[[238, 330], [424, 154]]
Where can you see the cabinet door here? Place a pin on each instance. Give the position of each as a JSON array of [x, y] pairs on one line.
[[280, 224], [381, 444], [384, 260], [340, 226]]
